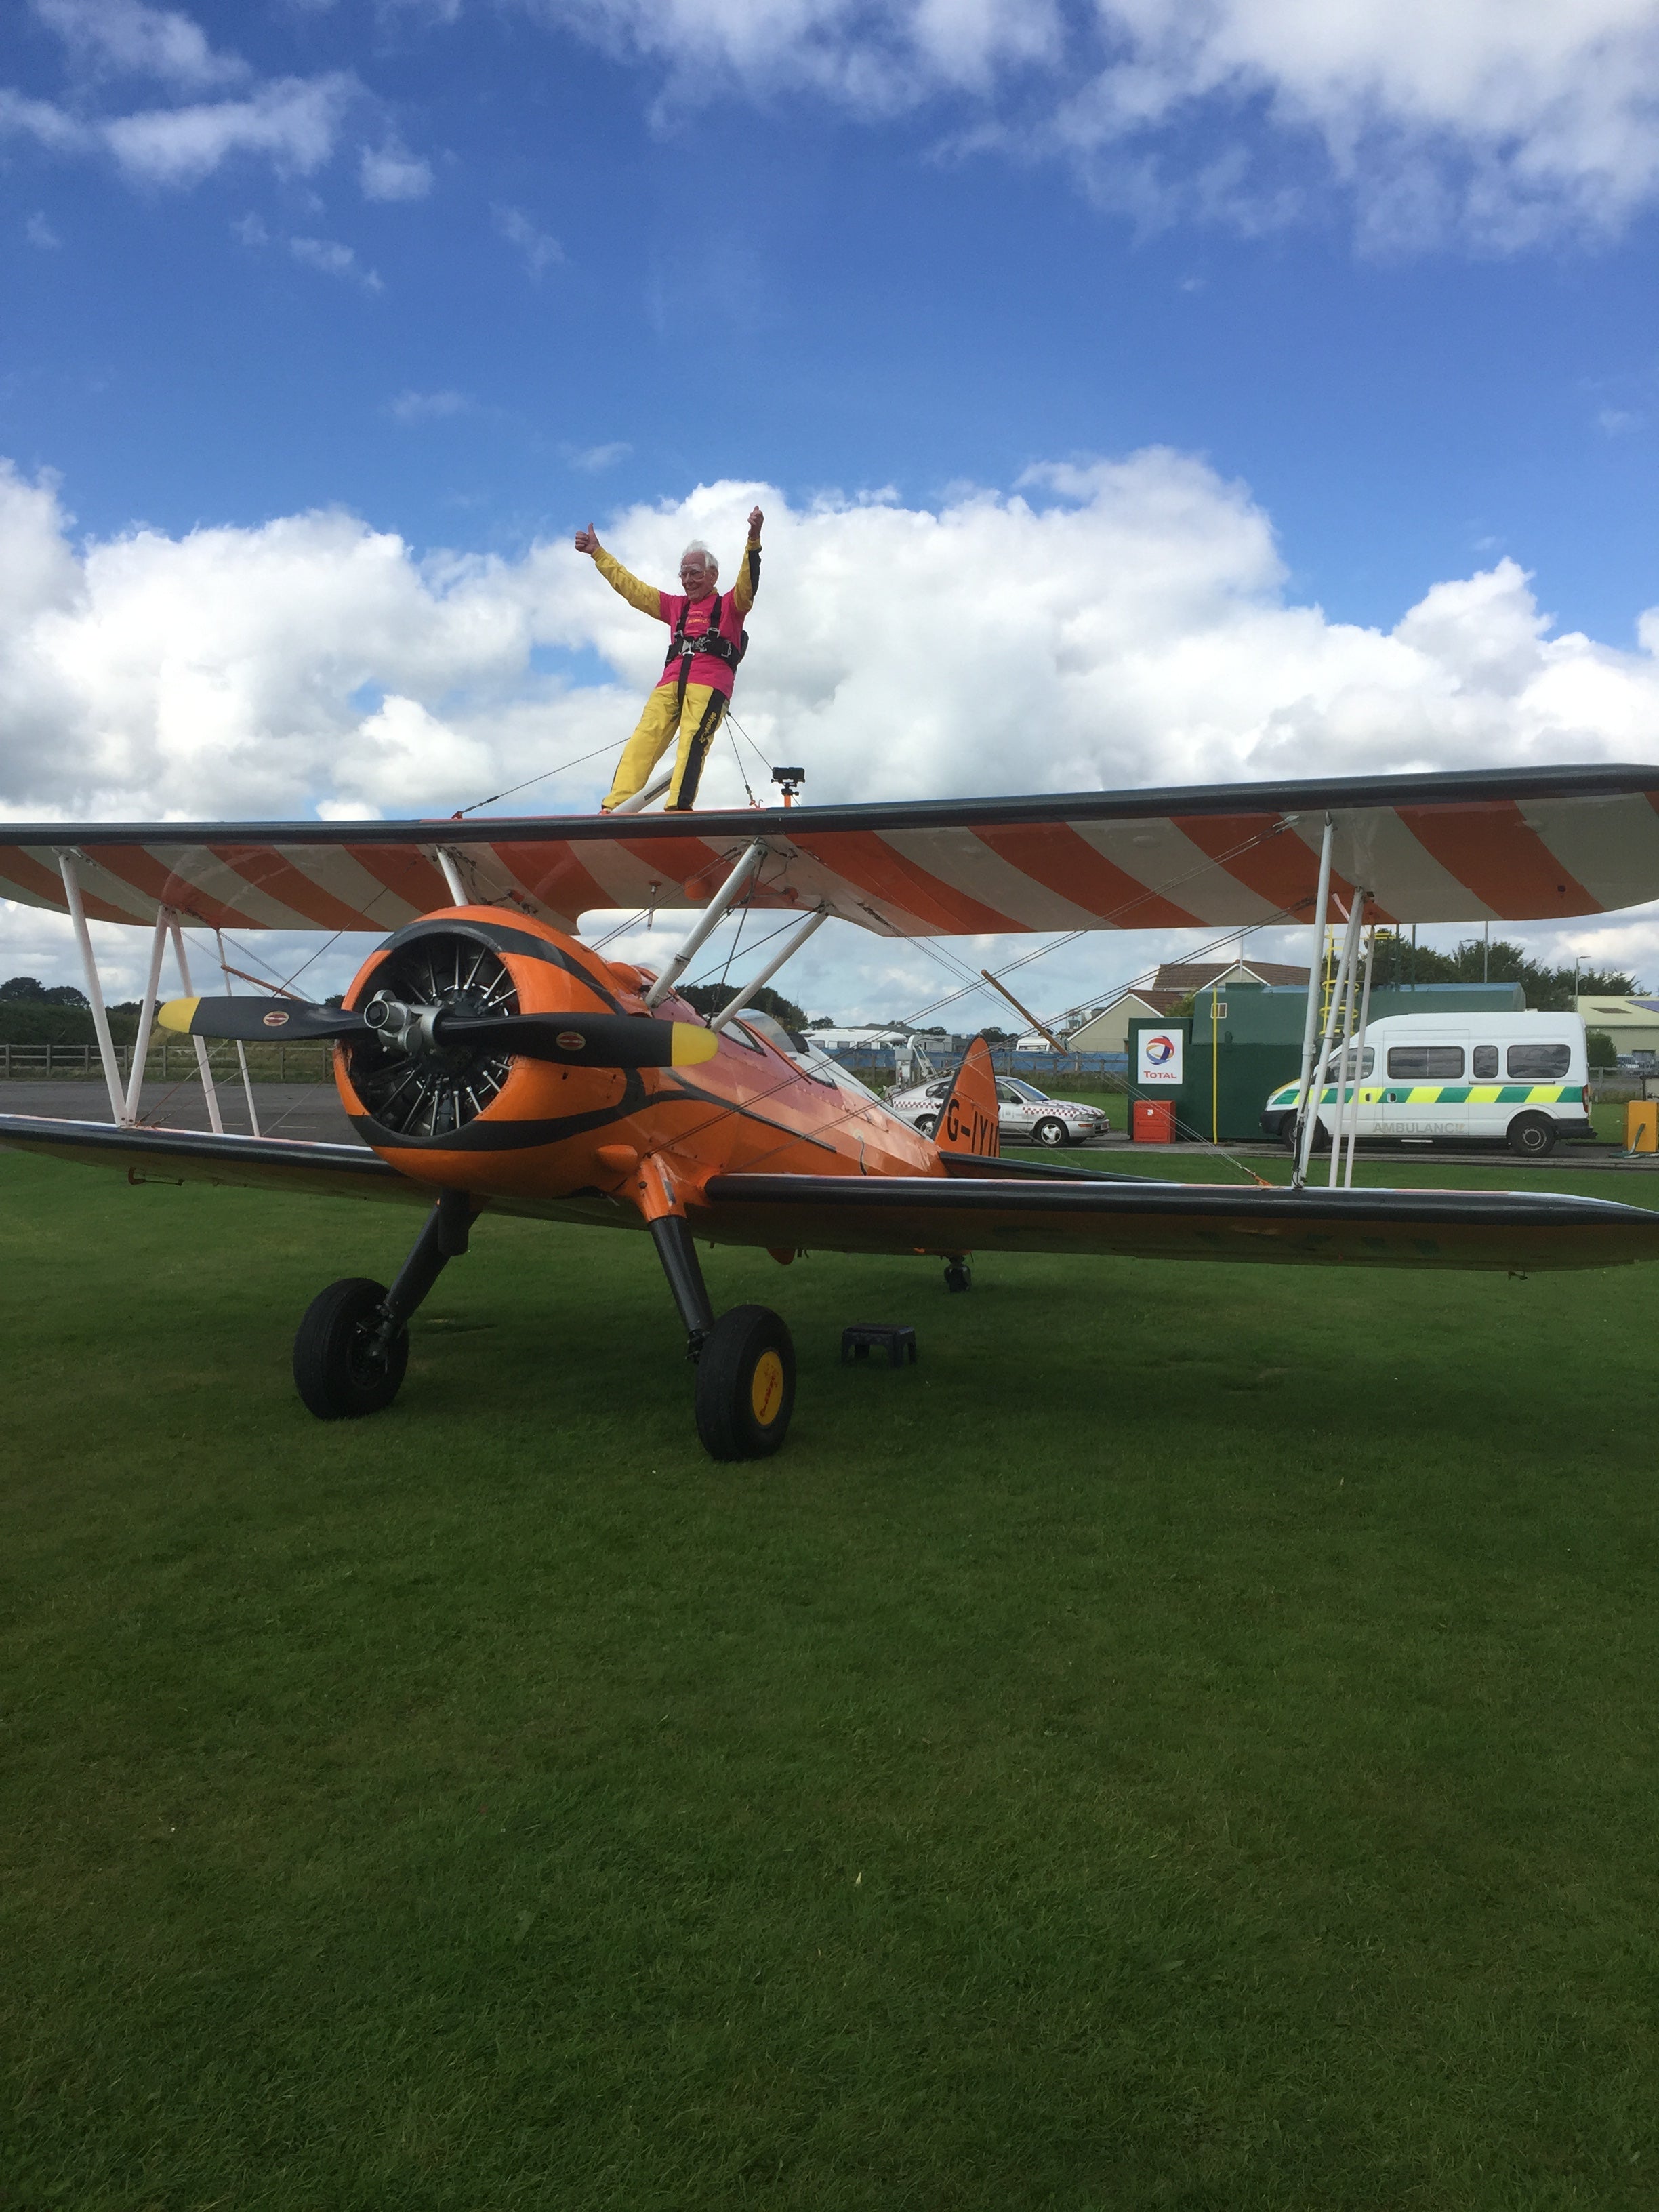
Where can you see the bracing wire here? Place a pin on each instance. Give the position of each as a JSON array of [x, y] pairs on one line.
[[513, 789]]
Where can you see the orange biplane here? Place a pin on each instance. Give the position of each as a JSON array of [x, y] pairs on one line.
[[490, 1061]]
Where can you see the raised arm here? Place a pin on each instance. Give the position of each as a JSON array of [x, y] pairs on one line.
[[748, 583], [646, 597]]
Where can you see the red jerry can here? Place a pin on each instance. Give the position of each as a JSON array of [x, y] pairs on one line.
[[1154, 1122]]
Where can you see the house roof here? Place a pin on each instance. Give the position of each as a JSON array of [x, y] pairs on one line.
[[1181, 976]]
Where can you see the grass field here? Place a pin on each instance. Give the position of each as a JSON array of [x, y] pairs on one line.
[[1191, 1742]]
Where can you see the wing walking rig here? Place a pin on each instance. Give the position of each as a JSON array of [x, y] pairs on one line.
[[489, 1059]]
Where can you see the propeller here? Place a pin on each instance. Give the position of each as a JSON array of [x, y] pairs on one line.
[[570, 1040]]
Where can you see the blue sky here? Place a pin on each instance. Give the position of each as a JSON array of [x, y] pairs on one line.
[[472, 273]]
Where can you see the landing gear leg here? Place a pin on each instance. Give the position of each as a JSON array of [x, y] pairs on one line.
[[958, 1273], [745, 1360], [352, 1346], [678, 1254]]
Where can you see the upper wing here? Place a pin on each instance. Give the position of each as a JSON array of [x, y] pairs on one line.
[[1135, 1218], [1502, 846]]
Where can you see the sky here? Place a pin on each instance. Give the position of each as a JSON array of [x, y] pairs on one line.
[[1138, 392]]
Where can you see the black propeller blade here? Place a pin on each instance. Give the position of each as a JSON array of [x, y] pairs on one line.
[[620, 1041], [264, 1021]]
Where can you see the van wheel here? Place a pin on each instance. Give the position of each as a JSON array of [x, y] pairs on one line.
[[1532, 1135], [1290, 1135]]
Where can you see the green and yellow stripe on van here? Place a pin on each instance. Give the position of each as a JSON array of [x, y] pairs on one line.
[[1445, 1094]]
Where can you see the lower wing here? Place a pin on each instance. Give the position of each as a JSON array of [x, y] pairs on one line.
[[1519, 1231], [186, 1156]]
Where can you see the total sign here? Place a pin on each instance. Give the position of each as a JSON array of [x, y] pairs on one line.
[[1158, 1059]]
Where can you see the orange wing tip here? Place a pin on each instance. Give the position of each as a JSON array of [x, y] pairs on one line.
[[177, 1014], [692, 1046]]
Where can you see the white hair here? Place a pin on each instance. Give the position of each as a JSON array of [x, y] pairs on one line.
[[697, 546]]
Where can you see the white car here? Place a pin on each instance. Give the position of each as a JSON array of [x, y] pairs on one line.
[[1026, 1115]]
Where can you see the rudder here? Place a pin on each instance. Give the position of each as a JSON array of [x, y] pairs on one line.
[[968, 1120]]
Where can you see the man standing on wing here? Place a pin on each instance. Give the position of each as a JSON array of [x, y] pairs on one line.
[[707, 641]]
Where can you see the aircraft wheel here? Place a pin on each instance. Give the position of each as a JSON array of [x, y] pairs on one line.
[[1049, 1132], [1532, 1135], [926, 1124], [745, 1384], [959, 1276], [338, 1370]]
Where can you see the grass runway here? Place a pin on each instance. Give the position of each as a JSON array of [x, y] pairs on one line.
[[1191, 1742]]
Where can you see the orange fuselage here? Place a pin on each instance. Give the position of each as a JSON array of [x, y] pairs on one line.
[[559, 1138]]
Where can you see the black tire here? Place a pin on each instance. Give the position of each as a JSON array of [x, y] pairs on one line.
[[1532, 1135], [745, 1384], [958, 1277], [1290, 1134], [337, 1371], [926, 1124], [1049, 1132]]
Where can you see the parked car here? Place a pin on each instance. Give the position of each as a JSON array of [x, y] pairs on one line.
[[1026, 1115], [1519, 1079]]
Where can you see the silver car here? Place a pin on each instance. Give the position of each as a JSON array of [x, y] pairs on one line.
[[1026, 1115]]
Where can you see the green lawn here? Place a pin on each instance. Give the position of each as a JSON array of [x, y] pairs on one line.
[[1191, 1742]]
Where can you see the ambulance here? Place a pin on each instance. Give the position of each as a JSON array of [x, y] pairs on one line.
[[1516, 1079]]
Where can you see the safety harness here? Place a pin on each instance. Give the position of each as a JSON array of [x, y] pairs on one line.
[[685, 648]]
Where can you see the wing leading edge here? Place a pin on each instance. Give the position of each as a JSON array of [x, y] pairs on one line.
[[1131, 1217], [1502, 846]]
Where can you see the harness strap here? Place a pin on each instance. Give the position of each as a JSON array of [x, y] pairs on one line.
[[713, 639]]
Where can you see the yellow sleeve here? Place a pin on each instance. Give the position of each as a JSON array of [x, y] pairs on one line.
[[646, 597], [748, 583]]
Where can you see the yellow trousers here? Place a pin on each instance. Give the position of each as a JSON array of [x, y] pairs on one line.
[[697, 723]]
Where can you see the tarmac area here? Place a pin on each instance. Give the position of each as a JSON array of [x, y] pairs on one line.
[[312, 1112], [307, 1110]]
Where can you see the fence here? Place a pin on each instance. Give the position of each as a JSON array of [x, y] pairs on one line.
[[1110, 1070], [172, 1061]]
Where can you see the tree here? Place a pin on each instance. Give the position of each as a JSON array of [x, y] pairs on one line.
[[710, 998], [28, 990], [1548, 990]]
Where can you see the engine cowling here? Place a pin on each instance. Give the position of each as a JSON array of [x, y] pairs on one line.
[[471, 1100]]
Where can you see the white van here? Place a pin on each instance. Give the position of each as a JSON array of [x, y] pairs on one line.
[[1520, 1079]]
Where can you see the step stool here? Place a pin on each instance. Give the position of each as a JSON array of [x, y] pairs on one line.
[[898, 1341]]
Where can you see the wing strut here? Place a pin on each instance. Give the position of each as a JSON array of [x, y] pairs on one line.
[[791, 945], [712, 915]]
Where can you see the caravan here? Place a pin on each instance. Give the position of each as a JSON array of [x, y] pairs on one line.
[[1514, 1078]]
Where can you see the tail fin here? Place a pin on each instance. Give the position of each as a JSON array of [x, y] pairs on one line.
[[968, 1120]]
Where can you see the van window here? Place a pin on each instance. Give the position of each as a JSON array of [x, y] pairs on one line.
[[1336, 1072], [1538, 1063], [1485, 1060], [1425, 1063]]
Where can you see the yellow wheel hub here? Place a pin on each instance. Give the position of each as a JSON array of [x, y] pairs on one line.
[[766, 1388]]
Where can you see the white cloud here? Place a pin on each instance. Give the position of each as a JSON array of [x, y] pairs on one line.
[[1502, 122], [332, 258], [411, 407], [294, 123], [391, 171], [592, 458], [38, 232], [142, 41], [541, 250], [1143, 635]]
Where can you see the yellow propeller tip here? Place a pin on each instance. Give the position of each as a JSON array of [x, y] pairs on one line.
[[177, 1014], [693, 1046]]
